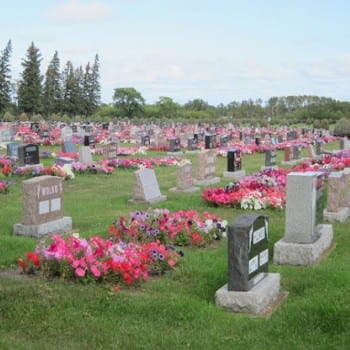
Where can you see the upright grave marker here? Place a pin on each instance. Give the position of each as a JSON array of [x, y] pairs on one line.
[[184, 180], [270, 158], [338, 192], [234, 164], [306, 238], [250, 287], [28, 154], [42, 207], [146, 188], [206, 168]]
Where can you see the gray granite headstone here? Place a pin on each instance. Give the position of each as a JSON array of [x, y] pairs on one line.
[[67, 133], [270, 157], [248, 253], [304, 206], [68, 147], [146, 188]]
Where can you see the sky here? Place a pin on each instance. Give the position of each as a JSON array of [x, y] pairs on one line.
[[218, 51]]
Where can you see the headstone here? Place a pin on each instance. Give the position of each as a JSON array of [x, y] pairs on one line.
[[288, 154], [192, 144], [311, 151], [28, 154], [206, 168], [234, 164], [210, 141], [67, 133], [43, 207], [110, 151], [85, 155], [319, 147], [68, 147], [250, 288], [248, 253], [224, 140], [338, 192], [296, 152], [12, 149], [270, 157], [306, 238], [146, 188], [5, 135], [175, 145], [145, 140], [184, 180], [257, 141], [34, 126]]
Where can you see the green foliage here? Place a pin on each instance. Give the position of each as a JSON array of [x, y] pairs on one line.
[[5, 78], [342, 128], [30, 89], [129, 102]]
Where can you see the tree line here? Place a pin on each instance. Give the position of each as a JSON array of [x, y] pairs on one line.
[[75, 93]]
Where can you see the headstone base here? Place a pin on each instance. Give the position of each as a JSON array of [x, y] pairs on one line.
[[255, 301], [291, 162], [207, 182], [64, 160], [161, 198], [265, 167], [341, 215], [192, 152], [305, 254], [29, 167], [234, 174], [185, 190], [56, 226], [179, 153]]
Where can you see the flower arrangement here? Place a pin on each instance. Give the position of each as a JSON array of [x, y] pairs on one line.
[[179, 228], [137, 248]]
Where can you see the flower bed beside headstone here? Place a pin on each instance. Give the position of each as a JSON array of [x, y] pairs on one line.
[[145, 244]]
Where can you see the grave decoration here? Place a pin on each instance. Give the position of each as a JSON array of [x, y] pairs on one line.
[[153, 234]]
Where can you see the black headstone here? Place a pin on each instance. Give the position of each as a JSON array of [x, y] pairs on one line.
[[175, 145], [28, 154], [270, 157], [234, 160], [192, 144], [210, 141], [248, 253]]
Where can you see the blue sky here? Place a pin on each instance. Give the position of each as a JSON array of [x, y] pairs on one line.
[[220, 51]]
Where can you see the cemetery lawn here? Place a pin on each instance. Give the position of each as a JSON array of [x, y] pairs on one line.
[[174, 311]]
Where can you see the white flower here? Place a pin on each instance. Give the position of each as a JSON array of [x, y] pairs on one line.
[[67, 168]]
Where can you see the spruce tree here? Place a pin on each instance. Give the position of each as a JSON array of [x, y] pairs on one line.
[[52, 88], [30, 88], [5, 78]]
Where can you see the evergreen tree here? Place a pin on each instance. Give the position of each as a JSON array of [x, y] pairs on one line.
[[5, 77], [52, 88], [30, 88], [68, 89], [92, 88]]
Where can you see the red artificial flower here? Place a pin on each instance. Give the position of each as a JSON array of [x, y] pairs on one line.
[[21, 263]]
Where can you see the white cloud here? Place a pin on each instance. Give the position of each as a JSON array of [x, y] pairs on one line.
[[77, 10]]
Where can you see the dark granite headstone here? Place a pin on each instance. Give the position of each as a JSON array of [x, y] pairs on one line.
[[234, 160], [192, 144], [248, 253], [175, 145], [224, 140], [319, 146], [145, 140], [296, 152], [210, 141], [28, 154], [270, 157]]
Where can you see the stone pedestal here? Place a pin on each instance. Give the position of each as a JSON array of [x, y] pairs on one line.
[[291, 253], [61, 225], [254, 301], [236, 175], [340, 215]]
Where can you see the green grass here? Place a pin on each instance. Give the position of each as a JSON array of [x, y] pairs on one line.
[[175, 311]]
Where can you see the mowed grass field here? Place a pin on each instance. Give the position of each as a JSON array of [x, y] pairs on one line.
[[177, 310]]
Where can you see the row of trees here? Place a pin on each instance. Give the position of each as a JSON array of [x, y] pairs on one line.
[[75, 93], [72, 91]]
